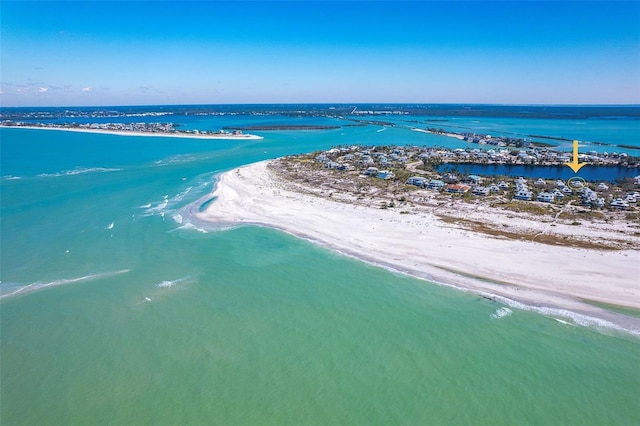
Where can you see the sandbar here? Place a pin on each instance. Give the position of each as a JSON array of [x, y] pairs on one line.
[[241, 136]]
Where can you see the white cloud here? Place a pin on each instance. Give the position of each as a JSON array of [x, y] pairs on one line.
[[43, 89], [86, 89]]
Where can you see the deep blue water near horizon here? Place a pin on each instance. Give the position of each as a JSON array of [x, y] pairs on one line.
[[126, 312]]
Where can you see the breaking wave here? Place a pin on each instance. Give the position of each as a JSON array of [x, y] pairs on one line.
[[568, 317], [169, 284], [501, 313], [79, 171], [191, 226], [181, 195], [15, 288], [177, 159], [156, 207], [170, 205]]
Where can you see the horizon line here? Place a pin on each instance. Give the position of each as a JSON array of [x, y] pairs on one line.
[[335, 103]]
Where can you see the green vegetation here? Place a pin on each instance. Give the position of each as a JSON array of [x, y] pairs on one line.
[[523, 206]]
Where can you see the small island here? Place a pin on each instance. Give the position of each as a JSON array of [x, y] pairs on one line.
[[504, 141], [286, 127], [133, 129]]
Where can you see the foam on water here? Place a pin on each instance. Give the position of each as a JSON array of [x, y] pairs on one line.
[[501, 313], [191, 226], [177, 159], [182, 194], [21, 289], [169, 284], [79, 171], [161, 207], [157, 207], [575, 318]]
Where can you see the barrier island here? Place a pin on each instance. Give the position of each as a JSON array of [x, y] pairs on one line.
[[558, 257]]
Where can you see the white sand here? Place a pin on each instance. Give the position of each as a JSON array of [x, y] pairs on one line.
[[135, 133], [451, 135], [424, 246]]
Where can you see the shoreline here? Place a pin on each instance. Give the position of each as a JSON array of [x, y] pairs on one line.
[[559, 281], [147, 134]]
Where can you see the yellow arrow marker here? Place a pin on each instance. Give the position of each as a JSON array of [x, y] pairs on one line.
[[575, 165]]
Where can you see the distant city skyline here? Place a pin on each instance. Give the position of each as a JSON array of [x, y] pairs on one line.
[[197, 52]]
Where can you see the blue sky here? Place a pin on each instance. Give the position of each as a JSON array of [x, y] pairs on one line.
[[197, 52]]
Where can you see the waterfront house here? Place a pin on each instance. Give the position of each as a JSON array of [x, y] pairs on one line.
[[457, 188], [450, 178], [371, 171], [322, 158], [619, 203], [480, 190], [521, 184], [416, 180], [525, 157], [540, 182], [503, 185], [523, 195], [602, 186], [435, 184], [545, 197], [385, 174], [590, 198], [473, 180]]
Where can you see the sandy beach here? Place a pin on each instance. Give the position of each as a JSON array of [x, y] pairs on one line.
[[424, 246], [154, 134], [451, 135]]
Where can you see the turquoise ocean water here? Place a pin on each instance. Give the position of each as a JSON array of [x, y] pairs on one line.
[[118, 309]]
